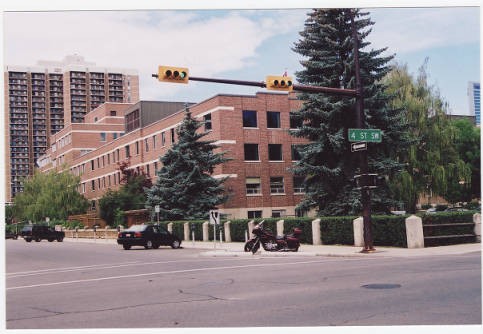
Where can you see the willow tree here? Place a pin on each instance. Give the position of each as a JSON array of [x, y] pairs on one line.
[[432, 163], [327, 163], [53, 194]]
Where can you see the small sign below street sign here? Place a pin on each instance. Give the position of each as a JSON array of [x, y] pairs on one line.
[[365, 135], [358, 146]]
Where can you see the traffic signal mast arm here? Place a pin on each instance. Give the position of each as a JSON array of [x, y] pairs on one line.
[[262, 84]]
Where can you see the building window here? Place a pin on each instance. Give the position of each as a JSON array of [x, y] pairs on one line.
[[254, 214], [275, 152], [128, 153], [114, 135], [298, 184], [276, 185], [295, 152], [279, 213], [295, 123], [273, 119], [207, 120], [154, 142], [300, 212], [249, 119], [132, 120], [253, 185], [146, 145], [93, 205], [163, 139], [137, 147], [113, 113], [251, 152], [92, 164], [93, 185], [103, 136], [172, 136]]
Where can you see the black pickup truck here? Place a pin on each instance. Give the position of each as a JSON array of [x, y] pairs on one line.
[[39, 232]]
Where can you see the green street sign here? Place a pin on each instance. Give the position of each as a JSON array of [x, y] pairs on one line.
[[365, 135]]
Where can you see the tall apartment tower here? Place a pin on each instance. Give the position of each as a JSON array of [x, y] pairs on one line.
[[474, 100], [40, 100]]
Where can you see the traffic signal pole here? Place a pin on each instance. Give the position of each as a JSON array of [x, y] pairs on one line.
[[364, 165]]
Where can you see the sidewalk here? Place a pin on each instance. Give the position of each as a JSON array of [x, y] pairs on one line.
[[236, 249]]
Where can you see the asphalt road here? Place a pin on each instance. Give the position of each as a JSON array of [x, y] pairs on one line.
[[81, 285]]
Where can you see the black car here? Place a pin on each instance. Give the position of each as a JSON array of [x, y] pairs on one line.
[[39, 232], [147, 235]]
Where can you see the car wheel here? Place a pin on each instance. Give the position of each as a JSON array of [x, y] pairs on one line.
[[126, 247], [60, 239], [15, 237], [50, 240], [175, 244], [149, 244], [156, 246], [37, 239], [28, 240]]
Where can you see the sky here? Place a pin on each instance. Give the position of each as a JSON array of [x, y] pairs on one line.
[[246, 44]]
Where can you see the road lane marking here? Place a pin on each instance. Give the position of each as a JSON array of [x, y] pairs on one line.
[[162, 273], [96, 266], [66, 269]]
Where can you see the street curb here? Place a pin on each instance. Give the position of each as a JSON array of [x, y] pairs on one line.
[[236, 250]]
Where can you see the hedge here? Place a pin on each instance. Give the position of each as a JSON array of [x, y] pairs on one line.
[[389, 230]]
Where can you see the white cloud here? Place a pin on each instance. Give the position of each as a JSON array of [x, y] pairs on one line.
[[406, 30], [142, 40]]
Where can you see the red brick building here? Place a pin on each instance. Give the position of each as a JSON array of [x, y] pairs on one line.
[[253, 130]]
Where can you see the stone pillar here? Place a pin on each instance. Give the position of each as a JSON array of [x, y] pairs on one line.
[[186, 230], [206, 231], [414, 232], [227, 231], [477, 230], [251, 225], [170, 227], [280, 227], [316, 240], [358, 226]]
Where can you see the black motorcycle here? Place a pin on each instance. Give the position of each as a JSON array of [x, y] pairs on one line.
[[286, 243]]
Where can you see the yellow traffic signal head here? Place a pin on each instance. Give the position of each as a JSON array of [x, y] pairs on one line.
[[279, 83], [173, 74]]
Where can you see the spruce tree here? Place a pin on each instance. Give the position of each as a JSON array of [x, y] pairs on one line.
[[185, 188], [327, 163]]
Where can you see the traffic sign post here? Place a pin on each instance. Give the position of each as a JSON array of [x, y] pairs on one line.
[[157, 209], [214, 220], [365, 135]]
